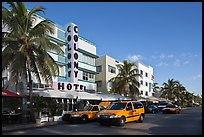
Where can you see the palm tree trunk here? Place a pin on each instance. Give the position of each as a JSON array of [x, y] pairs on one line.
[[30, 83]]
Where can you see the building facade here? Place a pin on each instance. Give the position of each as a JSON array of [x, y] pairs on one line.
[[106, 66], [77, 65], [147, 79], [77, 68]]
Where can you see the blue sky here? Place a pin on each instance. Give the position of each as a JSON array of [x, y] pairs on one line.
[[164, 35]]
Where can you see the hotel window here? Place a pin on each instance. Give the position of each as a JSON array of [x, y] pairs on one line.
[[141, 72], [146, 93], [146, 74], [35, 85], [146, 83], [88, 60], [98, 68], [111, 69], [99, 83], [141, 82], [60, 34], [110, 84], [137, 71], [61, 70], [91, 77], [85, 75], [88, 76], [116, 61], [141, 92], [41, 85], [48, 86]]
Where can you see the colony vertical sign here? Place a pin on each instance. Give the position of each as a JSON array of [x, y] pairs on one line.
[[72, 48], [72, 61]]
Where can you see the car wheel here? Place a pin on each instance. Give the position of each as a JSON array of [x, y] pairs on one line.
[[141, 118], [84, 118], [153, 112], [66, 117], [121, 122]]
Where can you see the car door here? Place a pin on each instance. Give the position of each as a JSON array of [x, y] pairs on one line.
[[137, 110], [94, 111], [129, 112]]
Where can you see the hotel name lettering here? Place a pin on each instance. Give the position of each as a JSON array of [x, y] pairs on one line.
[[71, 86], [72, 48]]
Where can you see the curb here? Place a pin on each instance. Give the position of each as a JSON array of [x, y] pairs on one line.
[[28, 126]]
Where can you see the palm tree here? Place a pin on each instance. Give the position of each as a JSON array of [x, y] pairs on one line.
[[169, 88], [155, 87], [179, 93], [125, 83], [189, 97], [25, 45]]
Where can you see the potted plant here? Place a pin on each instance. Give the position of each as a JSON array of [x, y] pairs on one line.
[[38, 105], [52, 104]]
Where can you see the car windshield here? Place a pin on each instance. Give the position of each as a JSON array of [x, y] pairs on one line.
[[116, 106], [87, 108], [102, 108], [152, 106], [170, 106], [163, 103]]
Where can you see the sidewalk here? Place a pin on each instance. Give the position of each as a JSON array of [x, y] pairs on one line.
[[14, 127]]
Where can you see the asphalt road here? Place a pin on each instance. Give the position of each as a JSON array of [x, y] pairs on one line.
[[188, 122]]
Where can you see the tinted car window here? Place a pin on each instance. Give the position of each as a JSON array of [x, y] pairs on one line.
[[137, 105], [87, 108], [102, 108], [116, 106], [95, 108], [163, 103], [129, 106]]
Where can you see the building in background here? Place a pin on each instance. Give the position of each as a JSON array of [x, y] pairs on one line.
[[106, 66], [147, 79]]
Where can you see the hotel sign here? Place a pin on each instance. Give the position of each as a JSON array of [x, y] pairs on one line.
[[72, 61], [72, 49]]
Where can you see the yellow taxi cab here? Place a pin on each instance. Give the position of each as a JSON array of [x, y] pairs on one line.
[[87, 114], [171, 108], [118, 113]]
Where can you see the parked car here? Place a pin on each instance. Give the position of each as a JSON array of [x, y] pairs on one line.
[[162, 105], [118, 113], [87, 114], [152, 109], [171, 108]]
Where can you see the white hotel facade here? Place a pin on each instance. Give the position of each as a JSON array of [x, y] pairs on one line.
[[77, 65], [77, 68]]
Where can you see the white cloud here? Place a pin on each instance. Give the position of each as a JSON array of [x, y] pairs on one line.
[[177, 63], [185, 62], [134, 57], [170, 56], [162, 56], [197, 77], [162, 64]]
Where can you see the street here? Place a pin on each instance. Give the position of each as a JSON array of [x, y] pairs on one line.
[[188, 122]]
